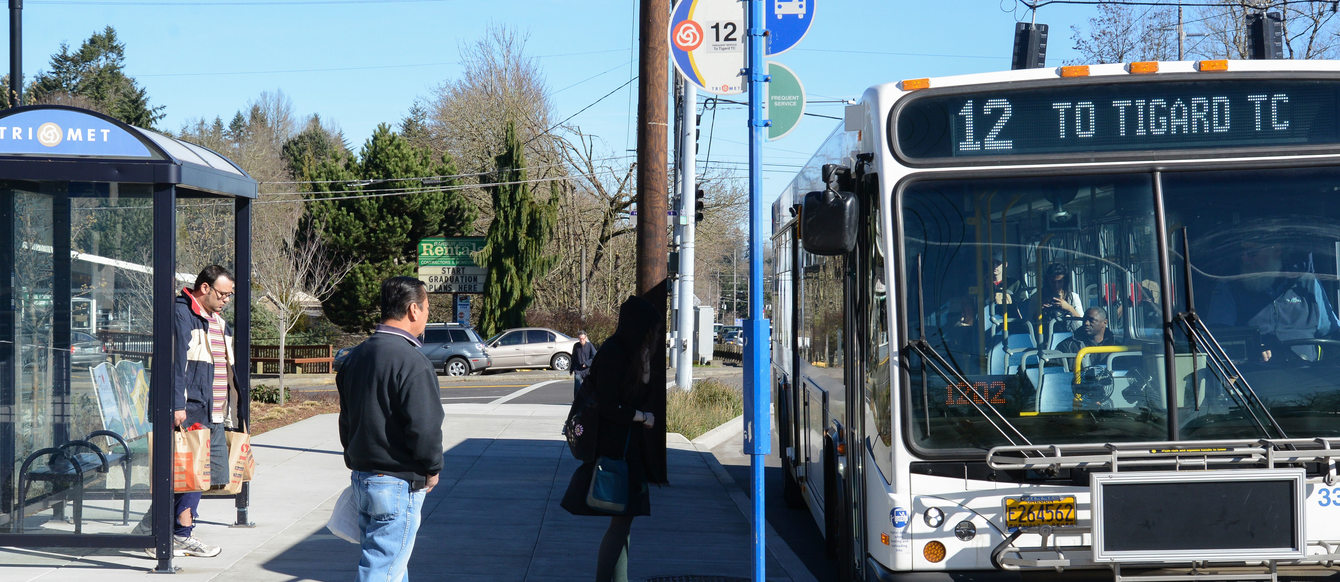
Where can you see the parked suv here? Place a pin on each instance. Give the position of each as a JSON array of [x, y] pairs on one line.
[[455, 349]]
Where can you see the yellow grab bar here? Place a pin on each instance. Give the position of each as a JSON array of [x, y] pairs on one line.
[[1079, 357]]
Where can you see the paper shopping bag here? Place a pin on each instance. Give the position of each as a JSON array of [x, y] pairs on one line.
[[240, 459], [240, 462], [190, 460]]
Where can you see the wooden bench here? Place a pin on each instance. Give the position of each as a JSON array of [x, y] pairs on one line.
[[304, 359], [67, 469]]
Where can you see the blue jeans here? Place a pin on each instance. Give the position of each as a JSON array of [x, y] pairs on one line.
[[388, 515]]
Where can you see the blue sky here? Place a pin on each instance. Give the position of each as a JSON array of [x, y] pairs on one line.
[[361, 63]]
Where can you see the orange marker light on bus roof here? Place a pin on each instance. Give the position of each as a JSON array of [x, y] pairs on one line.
[[1219, 65], [1144, 67], [1075, 71], [914, 84], [934, 552]]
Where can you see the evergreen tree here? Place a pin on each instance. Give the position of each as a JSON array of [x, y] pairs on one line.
[[375, 210], [515, 249], [94, 77]]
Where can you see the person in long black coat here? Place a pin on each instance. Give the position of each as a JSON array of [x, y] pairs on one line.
[[620, 378]]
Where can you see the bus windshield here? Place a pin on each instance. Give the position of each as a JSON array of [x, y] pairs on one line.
[[1025, 286], [1045, 297], [1263, 256]]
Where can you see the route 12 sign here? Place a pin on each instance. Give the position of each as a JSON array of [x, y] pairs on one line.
[[708, 43]]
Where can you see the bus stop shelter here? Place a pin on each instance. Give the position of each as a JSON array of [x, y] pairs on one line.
[[103, 224]]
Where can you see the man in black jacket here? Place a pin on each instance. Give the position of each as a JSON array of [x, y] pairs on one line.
[[391, 429], [583, 352]]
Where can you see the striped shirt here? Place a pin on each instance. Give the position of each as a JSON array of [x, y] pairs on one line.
[[219, 351]]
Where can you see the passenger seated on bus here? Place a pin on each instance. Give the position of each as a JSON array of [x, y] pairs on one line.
[[1004, 293], [1142, 304], [1093, 332], [1283, 303], [1055, 300]]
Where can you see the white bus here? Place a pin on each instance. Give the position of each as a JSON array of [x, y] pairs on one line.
[[1077, 321]]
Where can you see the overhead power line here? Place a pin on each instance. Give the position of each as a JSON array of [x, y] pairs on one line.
[[229, 3], [1173, 3]]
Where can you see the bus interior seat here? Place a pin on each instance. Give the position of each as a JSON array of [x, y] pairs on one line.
[[1008, 355], [1054, 389], [1058, 337]]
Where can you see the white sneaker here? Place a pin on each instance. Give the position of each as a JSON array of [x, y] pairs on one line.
[[184, 546]]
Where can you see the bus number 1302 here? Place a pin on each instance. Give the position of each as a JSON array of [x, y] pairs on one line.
[[995, 112]]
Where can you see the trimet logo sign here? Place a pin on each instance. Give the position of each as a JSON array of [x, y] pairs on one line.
[[49, 135]]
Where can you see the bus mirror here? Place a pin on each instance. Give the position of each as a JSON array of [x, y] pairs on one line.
[[828, 222]]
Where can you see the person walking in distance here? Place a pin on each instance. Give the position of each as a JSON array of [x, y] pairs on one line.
[[204, 390], [582, 353], [391, 428], [620, 379]]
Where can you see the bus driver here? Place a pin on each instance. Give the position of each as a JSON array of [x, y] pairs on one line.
[[1281, 305]]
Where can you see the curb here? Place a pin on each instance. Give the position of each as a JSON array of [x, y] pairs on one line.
[[780, 551], [713, 438]]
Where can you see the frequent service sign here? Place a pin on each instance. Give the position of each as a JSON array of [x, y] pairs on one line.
[[708, 43], [447, 265]]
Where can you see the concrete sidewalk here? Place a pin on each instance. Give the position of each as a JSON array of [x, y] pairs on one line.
[[494, 516]]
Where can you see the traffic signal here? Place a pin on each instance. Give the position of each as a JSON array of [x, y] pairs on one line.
[[1030, 46], [697, 130], [1265, 35], [698, 206]]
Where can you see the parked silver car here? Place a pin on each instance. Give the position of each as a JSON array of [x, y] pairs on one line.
[[530, 347]]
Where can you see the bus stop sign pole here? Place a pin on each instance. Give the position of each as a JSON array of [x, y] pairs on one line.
[[757, 389]]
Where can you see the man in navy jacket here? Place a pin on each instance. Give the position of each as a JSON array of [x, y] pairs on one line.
[[391, 428], [204, 389]]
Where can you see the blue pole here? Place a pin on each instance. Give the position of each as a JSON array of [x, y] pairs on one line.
[[757, 430]]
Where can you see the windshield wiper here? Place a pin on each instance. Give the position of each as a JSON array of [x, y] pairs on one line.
[[960, 385], [1232, 379], [950, 374], [1234, 382]]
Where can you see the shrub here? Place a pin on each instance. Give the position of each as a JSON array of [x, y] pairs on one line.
[[710, 404], [598, 326], [268, 394]]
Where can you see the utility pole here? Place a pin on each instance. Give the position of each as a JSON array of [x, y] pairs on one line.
[[687, 220], [652, 100], [15, 53], [652, 203], [582, 278], [675, 334], [1181, 32]]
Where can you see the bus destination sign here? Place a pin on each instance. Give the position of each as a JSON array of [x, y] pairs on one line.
[[1117, 117]]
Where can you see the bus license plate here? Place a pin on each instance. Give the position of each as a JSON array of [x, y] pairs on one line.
[[1036, 511]]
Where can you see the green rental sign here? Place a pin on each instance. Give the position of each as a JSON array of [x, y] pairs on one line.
[[785, 99], [449, 252]]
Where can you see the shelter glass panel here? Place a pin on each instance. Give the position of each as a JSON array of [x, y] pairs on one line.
[[83, 397]]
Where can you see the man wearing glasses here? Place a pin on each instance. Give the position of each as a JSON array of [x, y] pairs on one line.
[[204, 389]]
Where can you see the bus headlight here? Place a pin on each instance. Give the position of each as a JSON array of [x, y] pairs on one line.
[[934, 517], [965, 530]]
